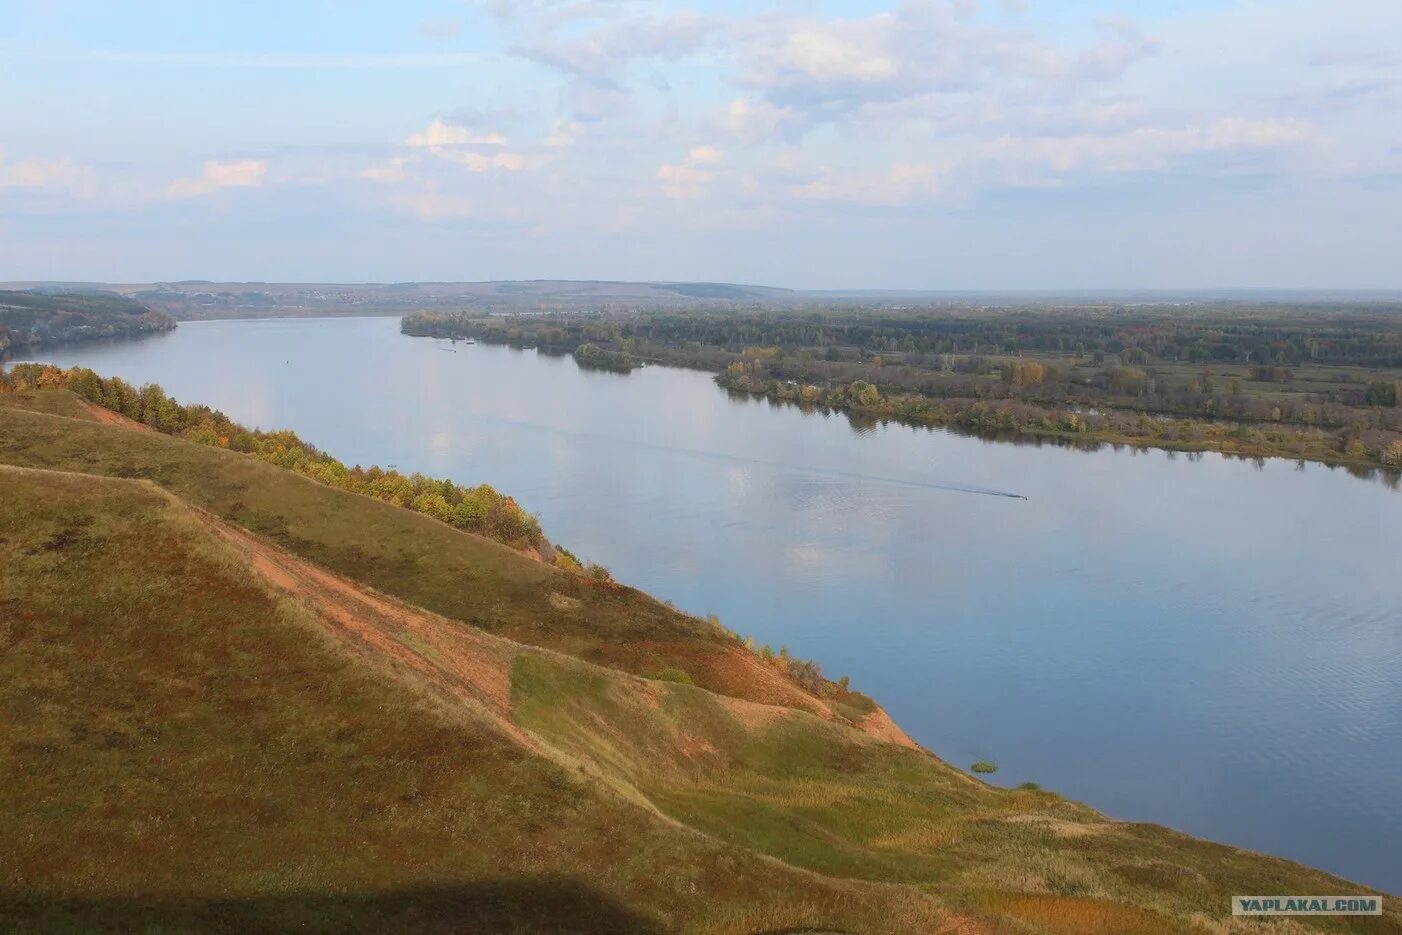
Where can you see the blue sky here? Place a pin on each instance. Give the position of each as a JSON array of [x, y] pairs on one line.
[[929, 144]]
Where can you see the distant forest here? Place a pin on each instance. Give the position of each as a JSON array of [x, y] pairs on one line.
[[35, 320], [1314, 383]]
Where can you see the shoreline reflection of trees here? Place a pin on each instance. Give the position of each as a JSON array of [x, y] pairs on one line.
[[864, 425], [1237, 381]]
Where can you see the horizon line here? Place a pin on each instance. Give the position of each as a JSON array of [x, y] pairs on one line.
[[21, 284]]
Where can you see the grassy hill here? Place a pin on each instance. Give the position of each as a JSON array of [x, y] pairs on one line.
[[233, 699]]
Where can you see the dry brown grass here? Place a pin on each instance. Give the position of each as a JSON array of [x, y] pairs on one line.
[[186, 749], [1062, 915]]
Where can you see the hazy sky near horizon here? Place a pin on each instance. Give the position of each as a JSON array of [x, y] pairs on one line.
[[1001, 144]]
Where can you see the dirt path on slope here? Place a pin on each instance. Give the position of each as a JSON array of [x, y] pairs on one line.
[[468, 664]]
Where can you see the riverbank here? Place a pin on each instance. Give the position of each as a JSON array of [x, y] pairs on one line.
[[1079, 427]]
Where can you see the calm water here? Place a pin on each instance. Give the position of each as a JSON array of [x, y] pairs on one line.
[[1206, 644]]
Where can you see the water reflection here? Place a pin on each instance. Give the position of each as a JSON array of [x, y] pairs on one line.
[[864, 425]]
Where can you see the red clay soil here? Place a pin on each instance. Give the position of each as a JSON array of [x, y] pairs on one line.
[[740, 674], [108, 417], [879, 724], [725, 669], [475, 666], [459, 660]]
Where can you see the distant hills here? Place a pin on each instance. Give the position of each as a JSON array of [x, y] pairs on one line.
[[193, 299], [37, 320], [196, 299]]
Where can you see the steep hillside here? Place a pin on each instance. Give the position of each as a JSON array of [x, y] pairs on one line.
[[233, 699], [189, 747], [410, 556]]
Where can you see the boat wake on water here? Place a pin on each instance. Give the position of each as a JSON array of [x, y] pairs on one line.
[[853, 475], [948, 486]]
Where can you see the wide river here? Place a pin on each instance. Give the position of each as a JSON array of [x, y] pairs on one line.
[[1207, 643]]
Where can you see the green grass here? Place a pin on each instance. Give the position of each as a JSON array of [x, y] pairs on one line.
[[49, 402], [821, 796]]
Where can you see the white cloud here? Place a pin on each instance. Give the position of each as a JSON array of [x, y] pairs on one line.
[[1139, 150], [243, 173], [479, 162], [431, 204], [1009, 162], [705, 156], [441, 135], [935, 55], [46, 174], [425, 179], [752, 120], [605, 52], [456, 145], [598, 43], [960, 167], [563, 134], [390, 173], [900, 184], [690, 178], [820, 54], [921, 59]]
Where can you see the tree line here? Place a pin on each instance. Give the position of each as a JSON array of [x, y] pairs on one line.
[[34, 319], [1356, 443], [1362, 335], [1309, 383], [581, 338]]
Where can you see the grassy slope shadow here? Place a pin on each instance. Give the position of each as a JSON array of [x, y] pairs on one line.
[[543, 905]]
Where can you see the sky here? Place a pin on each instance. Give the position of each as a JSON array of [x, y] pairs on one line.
[[827, 144]]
